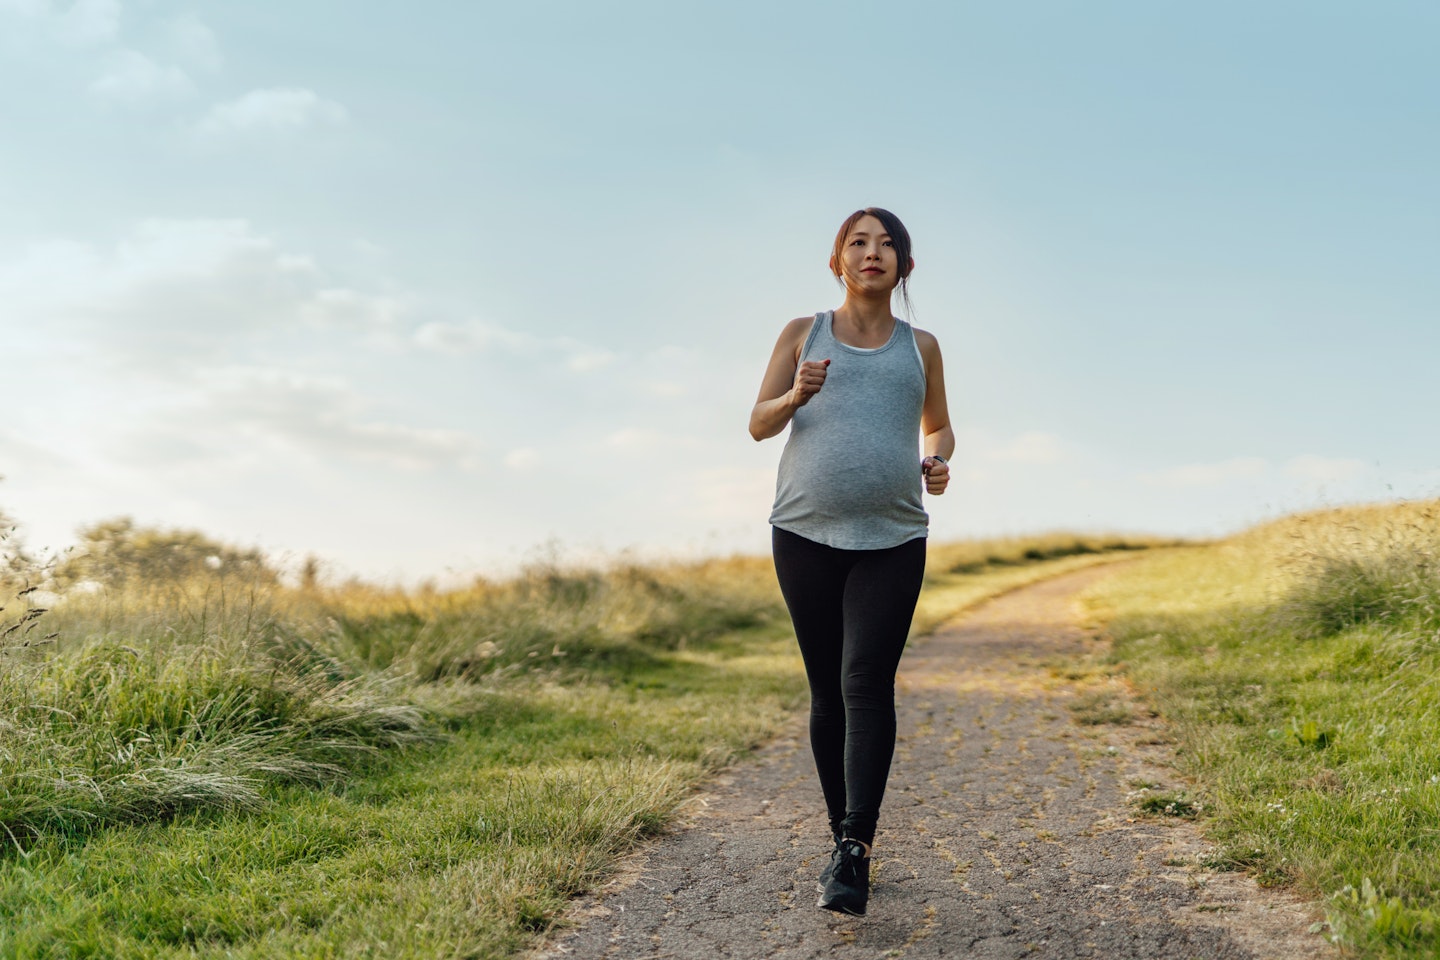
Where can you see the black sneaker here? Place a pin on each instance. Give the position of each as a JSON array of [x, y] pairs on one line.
[[848, 889], [829, 870]]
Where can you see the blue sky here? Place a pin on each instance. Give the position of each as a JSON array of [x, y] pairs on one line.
[[424, 289]]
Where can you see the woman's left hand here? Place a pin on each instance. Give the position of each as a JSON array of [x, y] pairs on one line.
[[937, 475]]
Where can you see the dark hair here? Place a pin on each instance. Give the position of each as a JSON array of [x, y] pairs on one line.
[[899, 236]]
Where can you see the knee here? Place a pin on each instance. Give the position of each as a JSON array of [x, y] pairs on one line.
[[864, 688], [827, 705]]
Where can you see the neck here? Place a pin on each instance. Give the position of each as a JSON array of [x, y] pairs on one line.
[[865, 312]]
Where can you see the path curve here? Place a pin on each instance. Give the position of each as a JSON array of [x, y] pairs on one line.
[[1005, 833]]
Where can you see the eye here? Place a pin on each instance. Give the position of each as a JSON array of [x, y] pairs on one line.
[[857, 243]]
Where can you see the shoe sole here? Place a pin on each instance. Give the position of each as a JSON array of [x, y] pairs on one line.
[[839, 908]]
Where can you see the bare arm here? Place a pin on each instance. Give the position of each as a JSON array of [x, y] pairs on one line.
[[935, 416], [788, 384]]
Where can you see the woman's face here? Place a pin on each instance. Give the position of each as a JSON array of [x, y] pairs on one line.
[[868, 260]]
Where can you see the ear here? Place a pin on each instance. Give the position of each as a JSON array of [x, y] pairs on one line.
[[833, 268]]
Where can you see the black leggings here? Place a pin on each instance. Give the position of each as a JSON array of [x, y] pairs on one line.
[[851, 610]]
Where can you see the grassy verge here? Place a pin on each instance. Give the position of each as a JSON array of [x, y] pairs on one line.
[[195, 767], [1296, 665], [461, 851]]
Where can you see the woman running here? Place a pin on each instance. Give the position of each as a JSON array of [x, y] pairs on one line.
[[858, 388]]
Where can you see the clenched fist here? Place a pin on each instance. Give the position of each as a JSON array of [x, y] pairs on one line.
[[937, 475], [809, 378]]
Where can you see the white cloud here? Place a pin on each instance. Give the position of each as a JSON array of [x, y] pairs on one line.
[[1308, 468], [1031, 447], [130, 77], [25, 8], [194, 43], [741, 495], [184, 289], [472, 337], [664, 388], [272, 110], [182, 323], [90, 22], [1209, 474], [586, 360], [87, 34], [478, 337], [1325, 470], [638, 438], [523, 458], [265, 410], [341, 307], [16, 447]]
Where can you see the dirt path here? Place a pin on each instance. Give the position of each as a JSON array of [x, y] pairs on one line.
[[1005, 833]]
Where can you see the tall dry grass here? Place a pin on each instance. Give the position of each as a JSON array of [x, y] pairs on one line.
[[148, 695], [973, 556], [1296, 664], [550, 616]]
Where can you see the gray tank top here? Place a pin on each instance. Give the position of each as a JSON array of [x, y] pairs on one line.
[[850, 473]]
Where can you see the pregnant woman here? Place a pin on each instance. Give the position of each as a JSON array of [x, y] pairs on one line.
[[863, 393]]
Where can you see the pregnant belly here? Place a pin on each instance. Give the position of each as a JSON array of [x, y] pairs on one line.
[[855, 480]]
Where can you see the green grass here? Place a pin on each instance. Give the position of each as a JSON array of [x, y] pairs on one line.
[[464, 852], [1296, 666], [221, 765]]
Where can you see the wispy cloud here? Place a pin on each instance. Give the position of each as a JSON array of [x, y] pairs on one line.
[[1030, 447], [272, 110], [640, 438], [192, 289], [1326, 470], [479, 337], [90, 22], [193, 43], [25, 8], [81, 24], [90, 30], [731, 494], [1208, 474], [523, 458], [326, 417], [265, 412], [343, 307], [1308, 468], [130, 77]]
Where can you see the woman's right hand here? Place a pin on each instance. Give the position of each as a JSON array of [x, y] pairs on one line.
[[809, 378]]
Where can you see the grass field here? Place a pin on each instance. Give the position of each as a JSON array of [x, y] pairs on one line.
[[200, 760], [1298, 668]]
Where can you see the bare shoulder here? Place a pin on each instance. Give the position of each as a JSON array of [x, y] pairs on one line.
[[799, 327], [925, 340], [792, 338]]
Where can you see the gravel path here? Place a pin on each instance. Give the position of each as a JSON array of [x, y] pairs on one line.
[[1005, 832]]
